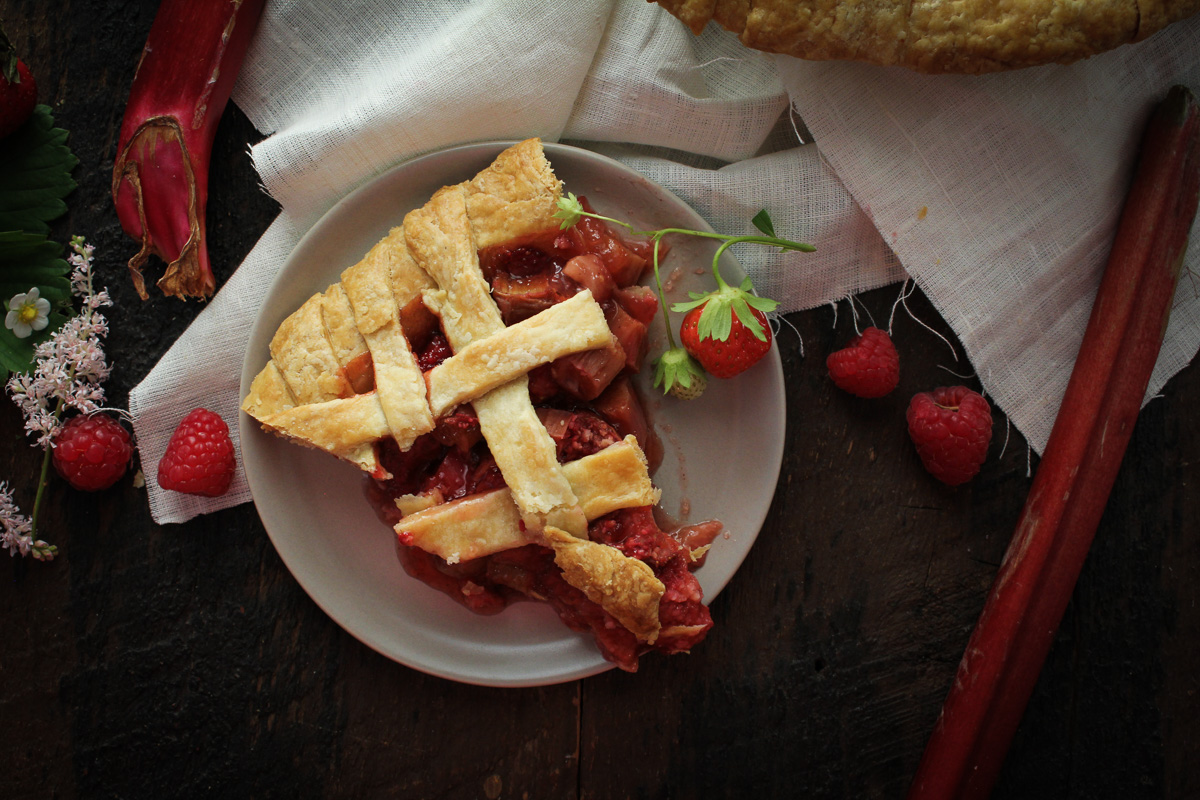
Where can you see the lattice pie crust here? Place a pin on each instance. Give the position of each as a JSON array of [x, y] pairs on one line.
[[325, 353]]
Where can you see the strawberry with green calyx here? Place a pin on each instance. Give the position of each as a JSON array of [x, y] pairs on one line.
[[725, 329], [678, 373], [733, 355], [18, 90], [675, 370]]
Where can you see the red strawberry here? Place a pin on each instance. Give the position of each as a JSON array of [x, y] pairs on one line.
[[951, 428], [18, 90], [91, 451], [199, 457], [736, 353], [868, 366], [726, 329]]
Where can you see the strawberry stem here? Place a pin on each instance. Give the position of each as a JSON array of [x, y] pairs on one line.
[[725, 301], [662, 300], [42, 482], [771, 240]]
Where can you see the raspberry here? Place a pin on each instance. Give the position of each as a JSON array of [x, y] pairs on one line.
[[199, 457], [868, 366], [92, 451], [951, 428]]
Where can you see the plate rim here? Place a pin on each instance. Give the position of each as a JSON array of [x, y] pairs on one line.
[[249, 428]]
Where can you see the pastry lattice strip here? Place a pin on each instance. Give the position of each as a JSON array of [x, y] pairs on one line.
[[442, 239], [434, 255], [311, 389], [481, 524]]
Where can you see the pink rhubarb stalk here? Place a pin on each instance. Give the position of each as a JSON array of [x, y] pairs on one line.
[[1006, 651], [160, 178]]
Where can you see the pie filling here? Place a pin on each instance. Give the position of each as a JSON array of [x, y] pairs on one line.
[[477, 366]]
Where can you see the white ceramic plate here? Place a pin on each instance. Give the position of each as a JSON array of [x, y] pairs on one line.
[[723, 451]]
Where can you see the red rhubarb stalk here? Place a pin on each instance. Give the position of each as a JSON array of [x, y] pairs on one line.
[[1006, 651], [160, 178]]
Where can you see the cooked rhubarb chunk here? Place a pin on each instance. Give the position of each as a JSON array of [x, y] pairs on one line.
[[621, 406]]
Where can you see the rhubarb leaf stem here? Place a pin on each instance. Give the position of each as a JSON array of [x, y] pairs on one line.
[[1037, 576]]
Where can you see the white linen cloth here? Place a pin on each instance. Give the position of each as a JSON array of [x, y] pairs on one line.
[[1021, 174]]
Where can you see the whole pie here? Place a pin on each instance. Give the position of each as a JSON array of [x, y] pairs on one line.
[[961, 36], [475, 365]]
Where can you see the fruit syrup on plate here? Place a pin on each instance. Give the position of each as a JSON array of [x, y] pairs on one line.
[[587, 402]]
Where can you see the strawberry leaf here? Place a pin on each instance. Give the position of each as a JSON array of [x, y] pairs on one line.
[[762, 221], [698, 299], [763, 304], [569, 211], [747, 318], [28, 260], [35, 174], [676, 367], [719, 306], [716, 319]]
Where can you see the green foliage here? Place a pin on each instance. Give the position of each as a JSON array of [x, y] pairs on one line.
[[674, 369], [35, 174], [28, 260], [35, 177], [762, 221]]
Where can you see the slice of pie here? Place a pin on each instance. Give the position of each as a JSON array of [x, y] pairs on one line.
[[937, 36], [476, 364]]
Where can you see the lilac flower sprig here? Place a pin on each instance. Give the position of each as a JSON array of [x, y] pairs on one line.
[[69, 370], [16, 530]]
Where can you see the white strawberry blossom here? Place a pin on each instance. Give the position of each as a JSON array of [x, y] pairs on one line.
[[27, 313], [68, 371]]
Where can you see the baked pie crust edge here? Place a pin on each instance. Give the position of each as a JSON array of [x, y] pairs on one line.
[[937, 36]]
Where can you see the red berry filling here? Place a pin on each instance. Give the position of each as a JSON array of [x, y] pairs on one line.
[[526, 277]]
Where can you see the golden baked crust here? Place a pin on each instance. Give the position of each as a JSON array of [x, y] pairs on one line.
[[464, 529], [624, 587], [398, 380], [305, 357], [346, 427], [442, 241], [573, 325], [937, 36], [344, 337], [479, 525], [517, 194], [616, 477], [342, 376], [269, 393]]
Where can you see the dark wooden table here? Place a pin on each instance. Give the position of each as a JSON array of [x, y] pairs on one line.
[[185, 661]]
